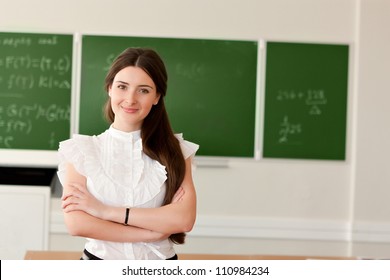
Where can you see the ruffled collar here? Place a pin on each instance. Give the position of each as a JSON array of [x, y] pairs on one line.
[[125, 136]]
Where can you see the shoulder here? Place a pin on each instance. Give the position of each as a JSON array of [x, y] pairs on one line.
[[81, 139], [188, 148], [80, 144], [78, 150], [77, 140]]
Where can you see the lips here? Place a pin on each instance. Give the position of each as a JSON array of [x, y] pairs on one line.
[[129, 110]]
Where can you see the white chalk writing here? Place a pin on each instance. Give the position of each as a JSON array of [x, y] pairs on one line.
[[18, 119], [313, 98], [42, 63], [287, 129], [26, 41]]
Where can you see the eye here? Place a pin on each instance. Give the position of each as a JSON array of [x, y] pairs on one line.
[[121, 86], [144, 90]]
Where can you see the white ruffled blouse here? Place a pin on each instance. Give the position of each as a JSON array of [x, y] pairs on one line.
[[119, 174]]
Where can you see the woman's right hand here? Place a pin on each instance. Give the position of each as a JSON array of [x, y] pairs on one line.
[[78, 198]]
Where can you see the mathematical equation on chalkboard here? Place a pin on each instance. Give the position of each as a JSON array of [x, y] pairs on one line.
[[288, 129], [24, 71], [45, 66], [312, 99], [35, 89], [20, 119]]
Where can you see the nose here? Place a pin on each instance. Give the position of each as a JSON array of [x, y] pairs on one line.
[[131, 96]]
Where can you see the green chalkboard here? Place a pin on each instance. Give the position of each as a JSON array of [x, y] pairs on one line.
[[35, 90], [305, 101], [211, 89]]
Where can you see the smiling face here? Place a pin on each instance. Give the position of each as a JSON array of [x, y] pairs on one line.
[[133, 93]]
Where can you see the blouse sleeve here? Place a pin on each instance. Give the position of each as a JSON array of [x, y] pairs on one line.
[[189, 149], [70, 151]]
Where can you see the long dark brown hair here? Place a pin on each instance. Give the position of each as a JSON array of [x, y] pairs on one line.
[[158, 139]]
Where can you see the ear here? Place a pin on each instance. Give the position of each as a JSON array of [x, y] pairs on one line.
[[157, 99]]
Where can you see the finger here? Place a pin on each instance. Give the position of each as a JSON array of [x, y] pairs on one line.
[[79, 187], [180, 192], [71, 200], [175, 196], [77, 193], [70, 208], [72, 205], [73, 191], [178, 195], [68, 201]]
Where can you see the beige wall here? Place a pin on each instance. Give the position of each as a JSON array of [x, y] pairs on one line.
[[372, 176], [266, 206]]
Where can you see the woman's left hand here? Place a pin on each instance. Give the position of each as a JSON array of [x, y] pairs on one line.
[[178, 196], [79, 198]]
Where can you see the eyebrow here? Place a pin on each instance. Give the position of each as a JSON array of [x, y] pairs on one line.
[[126, 83]]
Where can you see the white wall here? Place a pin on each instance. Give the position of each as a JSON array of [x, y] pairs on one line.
[[266, 206], [372, 180]]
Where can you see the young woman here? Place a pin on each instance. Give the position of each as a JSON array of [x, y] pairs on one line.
[[129, 190]]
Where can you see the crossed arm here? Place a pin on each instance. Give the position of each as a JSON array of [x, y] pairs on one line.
[[86, 216]]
